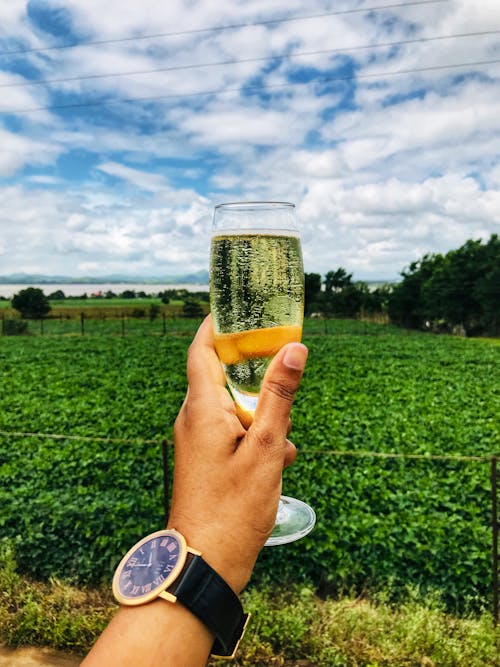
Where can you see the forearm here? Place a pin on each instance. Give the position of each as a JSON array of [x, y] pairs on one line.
[[158, 633]]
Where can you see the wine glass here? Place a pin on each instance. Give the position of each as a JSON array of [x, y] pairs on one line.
[[257, 305]]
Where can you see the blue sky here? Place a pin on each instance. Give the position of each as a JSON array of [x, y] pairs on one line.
[[376, 120]]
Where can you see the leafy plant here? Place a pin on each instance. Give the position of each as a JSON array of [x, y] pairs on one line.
[[14, 327], [367, 388], [31, 302]]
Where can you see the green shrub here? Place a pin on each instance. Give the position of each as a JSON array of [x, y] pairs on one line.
[[192, 308], [48, 614], [14, 327]]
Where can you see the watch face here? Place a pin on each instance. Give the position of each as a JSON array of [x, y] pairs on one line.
[[149, 567]]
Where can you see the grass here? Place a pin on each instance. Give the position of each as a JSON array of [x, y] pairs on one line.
[[96, 308], [291, 627], [99, 308]]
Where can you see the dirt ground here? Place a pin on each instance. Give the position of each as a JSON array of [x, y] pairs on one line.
[[36, 657]]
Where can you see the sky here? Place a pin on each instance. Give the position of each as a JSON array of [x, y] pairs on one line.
[[123, 123]]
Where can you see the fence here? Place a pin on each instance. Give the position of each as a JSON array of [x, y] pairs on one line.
[[165, 446], [117, 323], [104, 323]]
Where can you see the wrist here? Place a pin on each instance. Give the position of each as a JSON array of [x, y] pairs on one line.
[[163, 565], [231, 562]]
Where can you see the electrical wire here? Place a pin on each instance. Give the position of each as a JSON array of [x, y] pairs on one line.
[[234, 26], [249, 89], [287, 56]]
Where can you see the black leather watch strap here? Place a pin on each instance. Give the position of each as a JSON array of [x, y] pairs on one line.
[[209, 598]]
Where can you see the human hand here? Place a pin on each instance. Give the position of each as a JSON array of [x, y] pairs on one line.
[[227, 479]]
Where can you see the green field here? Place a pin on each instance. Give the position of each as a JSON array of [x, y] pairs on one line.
[[99, 308], [74, 504]]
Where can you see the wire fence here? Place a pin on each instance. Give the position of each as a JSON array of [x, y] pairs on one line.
[[165, 445], [116, 322], [105, 322]]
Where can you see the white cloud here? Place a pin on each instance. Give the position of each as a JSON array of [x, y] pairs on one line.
[[241, 126], [17, 151], [140, 179], [54, 231], [383, 169]]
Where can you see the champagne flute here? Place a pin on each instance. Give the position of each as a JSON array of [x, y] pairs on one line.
[[257, 305]]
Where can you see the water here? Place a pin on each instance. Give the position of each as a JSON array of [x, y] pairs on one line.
[[77, 289]]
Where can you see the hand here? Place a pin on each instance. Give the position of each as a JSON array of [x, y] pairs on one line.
[[227, 483], [227, 479]]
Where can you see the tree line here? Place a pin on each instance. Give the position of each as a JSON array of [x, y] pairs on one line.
[[338, 296], [455, 292], [33, 303], [459, 290]]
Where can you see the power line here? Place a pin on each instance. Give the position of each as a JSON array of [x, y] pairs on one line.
[[312, 452], [263, 87], [287, 56], [234, 26], [87, 438], [393, 455]]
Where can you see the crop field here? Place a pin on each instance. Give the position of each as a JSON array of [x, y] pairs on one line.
[[65, 316], [75, 503]]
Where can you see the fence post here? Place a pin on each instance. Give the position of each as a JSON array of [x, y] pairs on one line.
[[166, 480], [494, 526]]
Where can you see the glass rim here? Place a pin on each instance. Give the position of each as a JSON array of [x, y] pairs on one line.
[[247, 205]]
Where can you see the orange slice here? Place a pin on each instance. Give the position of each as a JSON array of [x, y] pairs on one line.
[[245, 416], [235, 347]]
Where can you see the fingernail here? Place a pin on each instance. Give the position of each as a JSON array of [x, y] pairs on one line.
[[296, 356]]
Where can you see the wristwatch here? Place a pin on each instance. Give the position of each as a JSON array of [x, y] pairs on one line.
[[161, 565]]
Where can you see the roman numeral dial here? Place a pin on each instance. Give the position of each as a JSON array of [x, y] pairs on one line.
[[150, 567]]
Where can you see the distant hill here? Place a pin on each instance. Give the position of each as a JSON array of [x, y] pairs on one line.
[[198, 278]]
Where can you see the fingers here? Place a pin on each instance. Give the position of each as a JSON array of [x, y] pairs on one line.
[[282, 379], [204, 369]]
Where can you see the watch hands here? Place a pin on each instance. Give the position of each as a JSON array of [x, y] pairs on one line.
[[148, 564]]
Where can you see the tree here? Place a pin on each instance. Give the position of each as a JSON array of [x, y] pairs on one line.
[[460, 289], [340, 297], [487, 292], [192, 308], [164, 297], [312, 283], [58, 295], [335, 281], [405, 306], [376, 300], [31, 303]]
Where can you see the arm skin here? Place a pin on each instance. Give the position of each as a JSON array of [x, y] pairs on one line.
[[227, 483]]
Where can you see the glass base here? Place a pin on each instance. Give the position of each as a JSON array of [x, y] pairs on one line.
[[294, 520]]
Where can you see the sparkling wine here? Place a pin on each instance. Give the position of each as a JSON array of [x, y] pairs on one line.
[[257, 304]]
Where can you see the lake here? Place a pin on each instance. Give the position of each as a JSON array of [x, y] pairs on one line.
[[77, 289]]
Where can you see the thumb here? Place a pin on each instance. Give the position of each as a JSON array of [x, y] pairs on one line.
[[277, 393]]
